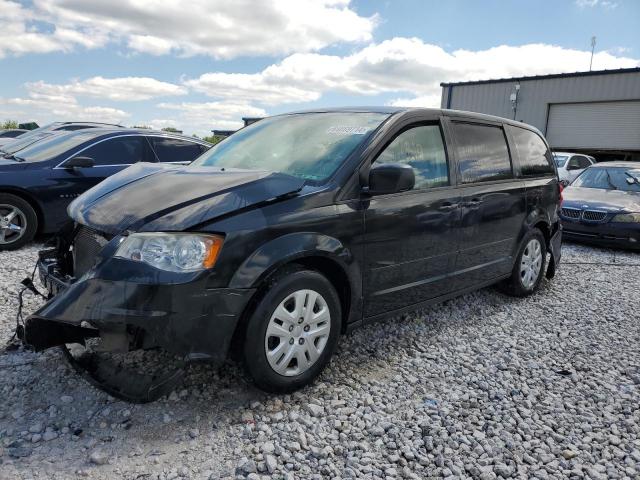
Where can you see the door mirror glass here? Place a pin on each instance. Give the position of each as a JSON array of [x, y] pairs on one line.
[[391, 178], [79, 162]]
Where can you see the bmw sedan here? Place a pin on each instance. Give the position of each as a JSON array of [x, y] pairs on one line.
[[603, 205], [39, 181]]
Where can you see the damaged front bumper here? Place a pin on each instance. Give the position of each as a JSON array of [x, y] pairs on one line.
[[131, 306]]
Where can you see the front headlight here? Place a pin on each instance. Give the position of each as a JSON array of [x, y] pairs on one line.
[[627, 218], [173, 252]]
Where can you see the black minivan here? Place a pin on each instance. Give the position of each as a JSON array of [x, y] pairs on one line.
[[299, 228]]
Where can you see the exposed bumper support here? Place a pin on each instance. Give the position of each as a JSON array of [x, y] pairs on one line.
[[129, 310], [124, 384]]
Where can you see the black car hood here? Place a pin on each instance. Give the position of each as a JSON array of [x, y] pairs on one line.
[[151, 197], [600, 199]]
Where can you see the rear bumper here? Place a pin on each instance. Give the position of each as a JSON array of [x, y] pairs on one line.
[[187, 319]]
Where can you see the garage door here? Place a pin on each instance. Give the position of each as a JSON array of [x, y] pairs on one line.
[[606, 125]]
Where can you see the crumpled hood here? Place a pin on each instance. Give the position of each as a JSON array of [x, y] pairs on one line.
[[149, 196], [600, 199]]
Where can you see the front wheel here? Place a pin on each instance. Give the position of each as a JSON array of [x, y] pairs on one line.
[[18, 222], [528, 269], [292, 331]]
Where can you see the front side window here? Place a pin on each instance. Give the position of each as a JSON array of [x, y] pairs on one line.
[[532, 152], [579, 162], [175, 150], [310, 146], [483, 155], [423, 149], [116, 151]]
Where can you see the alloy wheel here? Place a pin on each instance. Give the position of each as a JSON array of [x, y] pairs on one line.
[[13, 224], [531, 263], [297, 332]]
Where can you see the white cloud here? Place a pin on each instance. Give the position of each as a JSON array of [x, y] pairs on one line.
[[607, 4], [425, 101], [220, 29], [399, 65], [116, 89], [48, 109], [201, 118]]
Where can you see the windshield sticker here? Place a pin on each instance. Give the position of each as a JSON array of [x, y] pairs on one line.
[[346, 130]]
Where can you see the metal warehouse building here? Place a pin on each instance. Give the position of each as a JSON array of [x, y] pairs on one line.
[[597, 113]]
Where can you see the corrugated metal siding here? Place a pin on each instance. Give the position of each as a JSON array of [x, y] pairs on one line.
[[589, 125], [536, 95]]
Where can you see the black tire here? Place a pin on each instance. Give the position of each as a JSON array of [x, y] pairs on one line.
[[515, 285], [291, 279], [28, 221]]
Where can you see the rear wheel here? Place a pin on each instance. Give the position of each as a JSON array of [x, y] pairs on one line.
[[293, 330], [18, 222], [528, 269]]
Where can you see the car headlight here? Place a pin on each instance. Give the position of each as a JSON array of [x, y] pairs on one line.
[[173, 252], [627, 218]]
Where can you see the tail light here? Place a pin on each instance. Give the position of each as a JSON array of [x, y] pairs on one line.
[[560, 190]]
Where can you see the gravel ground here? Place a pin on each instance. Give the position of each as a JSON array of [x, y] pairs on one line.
[[483, 386]]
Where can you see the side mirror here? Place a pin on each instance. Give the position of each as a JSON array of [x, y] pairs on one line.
[[79, 162], [573, 167], [391, 178]]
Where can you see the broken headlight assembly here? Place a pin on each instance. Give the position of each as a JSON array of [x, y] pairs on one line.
[[172, 252]]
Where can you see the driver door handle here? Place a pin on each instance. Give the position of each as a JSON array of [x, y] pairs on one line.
[[448, 206]]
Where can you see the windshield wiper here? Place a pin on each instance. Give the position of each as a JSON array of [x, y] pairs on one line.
[[633, 177], [10, 156]]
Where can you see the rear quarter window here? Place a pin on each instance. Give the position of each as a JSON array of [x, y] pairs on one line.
[[482, 152], [533, 154]]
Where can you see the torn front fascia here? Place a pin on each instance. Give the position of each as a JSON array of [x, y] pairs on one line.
[[131, 306], [102, 372], [43, 334]]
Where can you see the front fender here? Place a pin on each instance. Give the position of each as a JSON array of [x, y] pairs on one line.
[[287, 248]]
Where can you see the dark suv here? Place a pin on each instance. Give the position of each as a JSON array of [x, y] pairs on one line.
[[299, 228]]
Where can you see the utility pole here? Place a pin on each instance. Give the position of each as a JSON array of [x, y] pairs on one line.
[[593, 46]]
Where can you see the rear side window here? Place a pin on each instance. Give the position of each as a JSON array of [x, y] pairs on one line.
[[73, 128], [532, 152], [175, 149], [483, 155], [117, 151], [422, 148], [11, 134]]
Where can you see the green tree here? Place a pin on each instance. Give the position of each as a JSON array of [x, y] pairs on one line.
[[171, 130], [213, 139], [144, 127], [8, 124]]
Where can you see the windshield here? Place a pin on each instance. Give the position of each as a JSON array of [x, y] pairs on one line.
[[22, 142], [52, 147], [560, 160], [309, 146], [614, 178]]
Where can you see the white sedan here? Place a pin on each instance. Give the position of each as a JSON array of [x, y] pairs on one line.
[[570, 165]]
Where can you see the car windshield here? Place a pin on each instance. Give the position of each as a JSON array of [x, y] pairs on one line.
[[560, 160], [52, 147], [612, 178], [22, 142], [310, 146]]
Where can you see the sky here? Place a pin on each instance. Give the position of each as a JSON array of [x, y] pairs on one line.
[[199, 65]]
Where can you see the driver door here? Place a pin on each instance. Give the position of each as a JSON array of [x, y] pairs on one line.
[[411, 237]]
